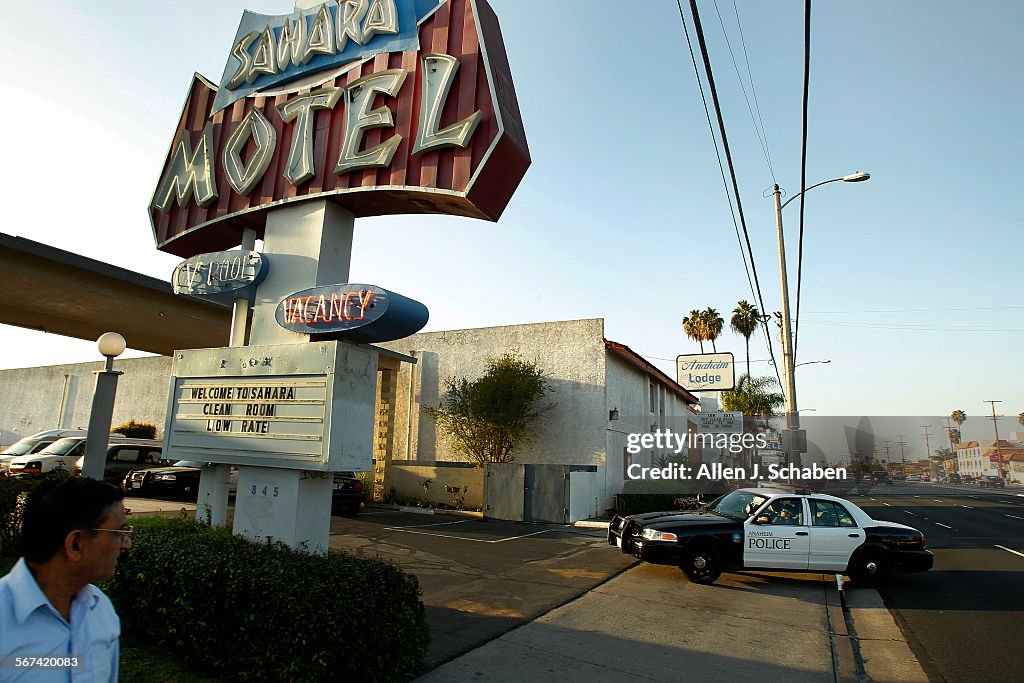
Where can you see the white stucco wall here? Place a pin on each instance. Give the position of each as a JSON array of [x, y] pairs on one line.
[[629, 391], [32, 396], [570, 352]]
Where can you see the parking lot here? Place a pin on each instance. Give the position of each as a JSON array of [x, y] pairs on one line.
[[480, 578]]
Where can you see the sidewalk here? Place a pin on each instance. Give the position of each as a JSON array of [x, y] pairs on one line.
[[651, 624]]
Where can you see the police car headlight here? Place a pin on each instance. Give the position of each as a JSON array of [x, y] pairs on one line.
[[655, 535]]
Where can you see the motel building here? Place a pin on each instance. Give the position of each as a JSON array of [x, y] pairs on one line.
[[980, 458]]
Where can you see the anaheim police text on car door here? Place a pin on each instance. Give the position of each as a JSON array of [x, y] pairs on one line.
[[773, 529]]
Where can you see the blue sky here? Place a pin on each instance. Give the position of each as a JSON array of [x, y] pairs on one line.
[[911, 281]]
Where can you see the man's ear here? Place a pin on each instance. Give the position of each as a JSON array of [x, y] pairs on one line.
[[73, 544]]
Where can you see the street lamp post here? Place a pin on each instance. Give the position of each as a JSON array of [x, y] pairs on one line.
[[111, 345], [788, 367]]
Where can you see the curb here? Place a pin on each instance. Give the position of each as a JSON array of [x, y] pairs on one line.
[[591, 524]]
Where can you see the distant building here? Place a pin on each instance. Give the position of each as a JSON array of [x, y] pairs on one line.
[[981, 458]]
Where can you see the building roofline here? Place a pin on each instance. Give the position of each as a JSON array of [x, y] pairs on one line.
[[640, 362]]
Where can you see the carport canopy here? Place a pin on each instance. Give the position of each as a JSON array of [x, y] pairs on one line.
[[56, 291]]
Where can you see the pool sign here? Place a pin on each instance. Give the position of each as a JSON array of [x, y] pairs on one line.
[[381, 106], [729, 422], [706, 371], [220, 275]]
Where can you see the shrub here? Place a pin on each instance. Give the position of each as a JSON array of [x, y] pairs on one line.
[[14, 491], [251, 611], [136, 430]]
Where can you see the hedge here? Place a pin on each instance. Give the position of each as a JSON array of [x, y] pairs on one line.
[[250, 611]]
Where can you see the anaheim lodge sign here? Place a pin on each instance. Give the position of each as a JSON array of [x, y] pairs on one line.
[[382, 106]]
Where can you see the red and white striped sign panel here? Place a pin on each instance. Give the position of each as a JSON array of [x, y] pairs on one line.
[[433, 130]]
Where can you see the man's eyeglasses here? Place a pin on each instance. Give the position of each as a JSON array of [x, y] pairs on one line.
[[125, 533]]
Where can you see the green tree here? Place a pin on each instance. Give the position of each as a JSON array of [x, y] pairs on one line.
[[744, 321], [754, 396], [713, 324], [1020, 419], [490, 416], [693, 326], [959, 417]]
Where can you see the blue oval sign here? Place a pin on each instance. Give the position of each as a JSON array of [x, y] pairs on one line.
[[219, 273], [358, 312]]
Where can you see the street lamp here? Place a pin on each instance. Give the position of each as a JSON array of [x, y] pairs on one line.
[[111, 345], [792, 416]]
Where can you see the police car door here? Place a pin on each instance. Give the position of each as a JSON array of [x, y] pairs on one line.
[[776, 537], [834, 535]]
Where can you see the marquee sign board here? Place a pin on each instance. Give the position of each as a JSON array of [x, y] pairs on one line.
[[706, 371], [299, 406], [730, 422], [357, 312], [382, 106], [220, 275]]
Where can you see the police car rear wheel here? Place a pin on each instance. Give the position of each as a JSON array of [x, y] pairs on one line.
[[702, 565], [872, 570]]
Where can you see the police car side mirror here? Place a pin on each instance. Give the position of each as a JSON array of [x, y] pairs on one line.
[[761, 520]]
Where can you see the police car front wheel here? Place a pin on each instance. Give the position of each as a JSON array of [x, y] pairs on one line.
[[702, 565]]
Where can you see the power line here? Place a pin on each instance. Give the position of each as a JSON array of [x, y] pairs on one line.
[[721, 168], [759, 131], [728, 157], [753, 91], [803, 169]]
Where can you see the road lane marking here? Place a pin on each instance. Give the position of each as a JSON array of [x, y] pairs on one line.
[[1014, 516], [886, 504], [967, 506], [943, 525], [1010, 551], [936, 500], [910, 513]]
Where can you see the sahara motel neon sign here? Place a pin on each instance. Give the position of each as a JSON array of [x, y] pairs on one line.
[[382, 106]]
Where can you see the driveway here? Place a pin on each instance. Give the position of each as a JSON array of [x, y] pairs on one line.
[[481, 578]]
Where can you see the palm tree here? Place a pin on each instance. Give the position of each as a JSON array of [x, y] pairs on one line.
[[745, 318], [693, 326], [713, 324], [960, 417], [1020, 419], [754, 396]]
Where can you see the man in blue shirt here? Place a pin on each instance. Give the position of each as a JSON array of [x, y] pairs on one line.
[[54, 624]]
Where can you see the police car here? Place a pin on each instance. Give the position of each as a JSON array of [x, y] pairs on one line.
[[764, 528]]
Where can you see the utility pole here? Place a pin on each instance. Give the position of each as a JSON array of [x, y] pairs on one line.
[[886, 443], [903, 460], [995, 425], [788, 369], [927, 446]]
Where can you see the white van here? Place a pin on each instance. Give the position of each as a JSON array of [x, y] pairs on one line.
[[34, 444], [62, 453]]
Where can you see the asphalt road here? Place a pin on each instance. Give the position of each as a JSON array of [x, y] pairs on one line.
[[962, 619]]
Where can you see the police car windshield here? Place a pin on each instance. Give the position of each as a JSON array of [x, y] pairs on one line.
[[734, 505]]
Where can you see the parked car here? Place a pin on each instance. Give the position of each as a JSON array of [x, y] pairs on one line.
[[179, 481], [773, 529], [61, 454], [348, 493], [133, 454], [991, 482], [34, 443], [913, 477], [881, 477], [955, 479], [967, 478]]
